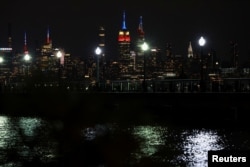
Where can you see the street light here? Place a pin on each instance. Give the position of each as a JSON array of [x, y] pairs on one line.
[[1, 62], [98, 51], [59, 54], [144, 48], [202, 42], [27, 57]]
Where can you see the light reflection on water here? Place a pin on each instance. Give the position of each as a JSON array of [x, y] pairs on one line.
[[196, 146], [29, 125], [175, 146], [3, 131], [150, 137], [24, 140], [32, 139], [190, 147]]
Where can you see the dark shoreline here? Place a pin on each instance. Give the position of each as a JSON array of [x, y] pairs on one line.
[[180, 108]]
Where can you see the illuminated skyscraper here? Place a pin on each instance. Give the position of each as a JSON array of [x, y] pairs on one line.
[[102, 56], [102, 43], [101, 38], [44, 53], [141, 31], [124, 47], [47, 47], [6, 54], [139, 52]]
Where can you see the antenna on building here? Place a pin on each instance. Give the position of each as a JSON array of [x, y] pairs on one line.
[[140, 29], [9, 36], [25, 48], [190, 50], [124, 21], [48, 36]]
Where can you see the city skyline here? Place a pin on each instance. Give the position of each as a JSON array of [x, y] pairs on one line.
[[74, 25]]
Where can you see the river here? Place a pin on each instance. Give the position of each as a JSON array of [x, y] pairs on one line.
[[43, 141]]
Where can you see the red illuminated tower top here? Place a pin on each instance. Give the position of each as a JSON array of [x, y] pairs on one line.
[[140, 29], [25, 47], [124, 35], [48, 40], [47, 47]]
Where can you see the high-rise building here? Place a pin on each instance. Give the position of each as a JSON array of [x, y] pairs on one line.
[[25, 60], [168, 60], [141, 31], [101, 41], [234, 54], [9, 36], [153, 66], [46, 48], [124, 47], [101, 45], [44, 53], [6, 56], [139, 52]]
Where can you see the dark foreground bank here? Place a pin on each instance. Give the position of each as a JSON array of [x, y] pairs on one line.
[[190, 108]]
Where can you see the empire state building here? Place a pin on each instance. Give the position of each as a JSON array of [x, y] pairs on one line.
[[124, 46]]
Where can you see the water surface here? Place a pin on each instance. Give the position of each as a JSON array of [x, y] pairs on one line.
[[39, 141]]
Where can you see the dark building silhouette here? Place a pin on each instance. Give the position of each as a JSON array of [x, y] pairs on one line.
[[234, 54]]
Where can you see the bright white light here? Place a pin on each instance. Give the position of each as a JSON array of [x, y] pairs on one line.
[[27, 57], [202, 41], [196, 147], [59, 54], [4, 132], [144, 46], [98, 51], [1, 60]]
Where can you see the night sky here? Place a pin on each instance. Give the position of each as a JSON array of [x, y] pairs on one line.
[[74, 24]]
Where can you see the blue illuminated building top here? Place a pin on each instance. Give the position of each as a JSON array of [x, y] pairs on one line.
[[124, 21]]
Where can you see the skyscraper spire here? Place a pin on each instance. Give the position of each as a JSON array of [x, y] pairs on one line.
[[124, 35], [25, 48], [48, 36], [9, 36], [190, 50], [140, 29], [124, 21]]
